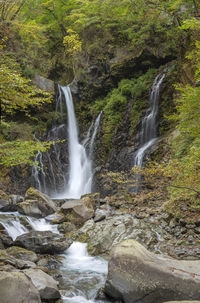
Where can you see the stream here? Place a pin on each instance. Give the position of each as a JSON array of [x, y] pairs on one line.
[[81, 275]]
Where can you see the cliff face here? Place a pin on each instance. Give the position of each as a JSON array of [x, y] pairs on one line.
[[100, 81]]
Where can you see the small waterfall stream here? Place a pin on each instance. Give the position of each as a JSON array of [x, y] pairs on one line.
[[148, 133], [81, 276], [77, 181]]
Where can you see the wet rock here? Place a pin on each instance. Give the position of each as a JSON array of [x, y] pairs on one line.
[[56, 218], [49, 263], [79, 211], [44, 283], [16, 287], [101, 236], [99, 215], [9, 202], [66, 227], [1, 244], [7, 258], [44, 242], [22, 254], [137, 275], [6, 240], [36, 204]]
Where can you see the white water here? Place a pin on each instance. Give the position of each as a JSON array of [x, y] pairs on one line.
[[41, 225], [83, 274], [96, 126], [52, 177], [13, 227], [17, 225], [148, 134], [80, 166]]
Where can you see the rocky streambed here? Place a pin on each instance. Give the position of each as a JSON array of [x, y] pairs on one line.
[[44, 250]]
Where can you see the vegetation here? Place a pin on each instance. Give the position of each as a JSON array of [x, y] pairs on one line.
[[61, 39], [17, 94], [135, 91]]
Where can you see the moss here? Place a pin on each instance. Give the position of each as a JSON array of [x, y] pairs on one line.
[[115, 103]]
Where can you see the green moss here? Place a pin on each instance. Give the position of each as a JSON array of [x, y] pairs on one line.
[[115, 103]]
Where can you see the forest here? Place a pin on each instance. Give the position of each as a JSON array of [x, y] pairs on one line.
[[99, 151], [60, 40]]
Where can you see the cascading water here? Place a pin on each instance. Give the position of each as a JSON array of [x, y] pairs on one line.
[[80, 166], [16, 224], [82, 275], [78, 180], [148, 134]]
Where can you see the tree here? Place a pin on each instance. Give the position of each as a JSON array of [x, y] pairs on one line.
[[18, 94]]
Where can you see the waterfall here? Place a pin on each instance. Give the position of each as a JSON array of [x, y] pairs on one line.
[[96, 126], [80, 166], [77, 181], [148, 133], [39, 176]]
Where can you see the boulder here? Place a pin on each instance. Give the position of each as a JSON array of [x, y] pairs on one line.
[[15, 287], [5, 240], [101, 236], [8, 259], [79, 211], [9, 202], [137, 275], [44, 283], [44, 242], [22, 254], [66, 227], [36, 204]]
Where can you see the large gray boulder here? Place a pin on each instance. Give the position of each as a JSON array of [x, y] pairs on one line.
[[79, 211], [15, 287], [43, 242], [36, 204], [137, 275], [44, 283]]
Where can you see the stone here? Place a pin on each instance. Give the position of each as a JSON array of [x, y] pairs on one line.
[[99, 215], [6, 240], [37, 204], [56, 218], [9, 259], [44, 283], [137, 275], [79, 211], [9, 202], [66, 227], [22, 254], [101, 236], [44, 83], [44, 242], [70, 205], [15, 287]]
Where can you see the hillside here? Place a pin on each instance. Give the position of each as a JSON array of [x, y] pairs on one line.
[[112, 51]]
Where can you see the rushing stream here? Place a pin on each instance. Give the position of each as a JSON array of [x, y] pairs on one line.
[[82, 275]]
